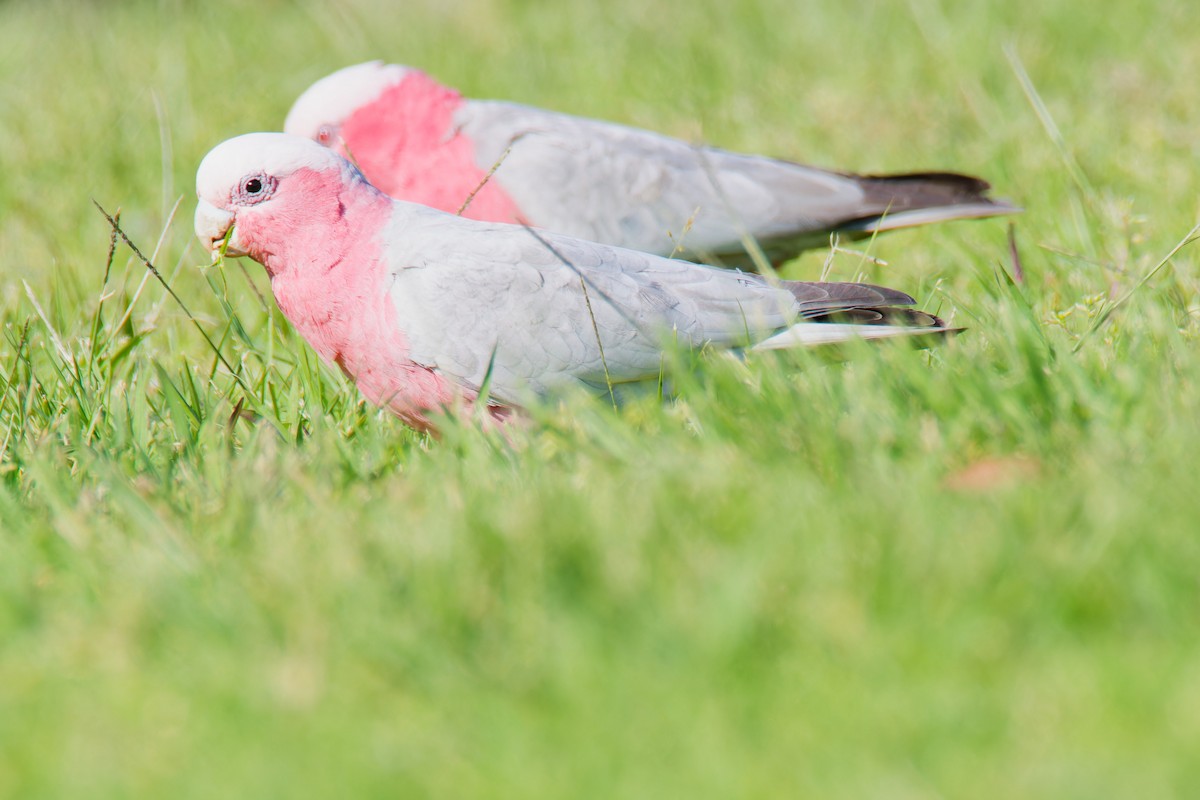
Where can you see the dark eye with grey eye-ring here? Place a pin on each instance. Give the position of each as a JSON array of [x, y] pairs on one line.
[[254, 189]]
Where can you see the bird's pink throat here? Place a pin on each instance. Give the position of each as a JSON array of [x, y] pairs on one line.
[[330, 276]]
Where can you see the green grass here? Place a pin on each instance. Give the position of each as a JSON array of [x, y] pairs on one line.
[[968, 572]]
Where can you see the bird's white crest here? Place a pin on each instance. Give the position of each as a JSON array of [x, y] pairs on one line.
[[275, 154], [331, 100]]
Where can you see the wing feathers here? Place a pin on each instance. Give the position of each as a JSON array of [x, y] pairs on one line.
[[541, 310], [633, 188]]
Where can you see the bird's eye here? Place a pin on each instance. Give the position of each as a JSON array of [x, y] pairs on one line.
[[325, 134], [254, 189]]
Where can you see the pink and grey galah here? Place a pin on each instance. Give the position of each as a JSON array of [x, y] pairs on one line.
[[418, 140], [426, 310]]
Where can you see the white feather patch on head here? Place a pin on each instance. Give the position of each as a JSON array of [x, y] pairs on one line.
[[276, 155], [331, 100]]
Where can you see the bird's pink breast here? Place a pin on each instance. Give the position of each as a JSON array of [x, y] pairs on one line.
[[331, 281], [406, 145]]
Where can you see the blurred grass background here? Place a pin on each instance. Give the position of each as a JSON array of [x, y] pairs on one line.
[[967, 572]]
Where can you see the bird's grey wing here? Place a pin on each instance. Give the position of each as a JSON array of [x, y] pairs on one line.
[[528, 312], [637, 189]]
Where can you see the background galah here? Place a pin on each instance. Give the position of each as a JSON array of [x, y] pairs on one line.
[[418, 140], [422, 308]]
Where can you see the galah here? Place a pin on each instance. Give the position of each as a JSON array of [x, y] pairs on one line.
[[426, 310], [418, 140]]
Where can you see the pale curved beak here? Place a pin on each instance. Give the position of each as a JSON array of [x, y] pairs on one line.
[[212, 226]]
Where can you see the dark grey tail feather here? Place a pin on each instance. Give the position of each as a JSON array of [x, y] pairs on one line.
[[820, 299], [942, 195], [896, 317], [858, 304], [903, 191]]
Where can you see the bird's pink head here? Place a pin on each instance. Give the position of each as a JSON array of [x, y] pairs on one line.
[[323, 109], [279, 194]]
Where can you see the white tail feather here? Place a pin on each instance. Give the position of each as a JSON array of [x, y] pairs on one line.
[[926, 216], [815, 334]]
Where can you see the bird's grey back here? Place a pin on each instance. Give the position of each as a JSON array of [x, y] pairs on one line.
[[634, 188]]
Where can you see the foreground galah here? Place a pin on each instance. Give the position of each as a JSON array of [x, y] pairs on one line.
[[424, 309], [418, 140]]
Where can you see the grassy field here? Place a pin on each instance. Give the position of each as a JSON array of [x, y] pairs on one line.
[[968, 572]]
